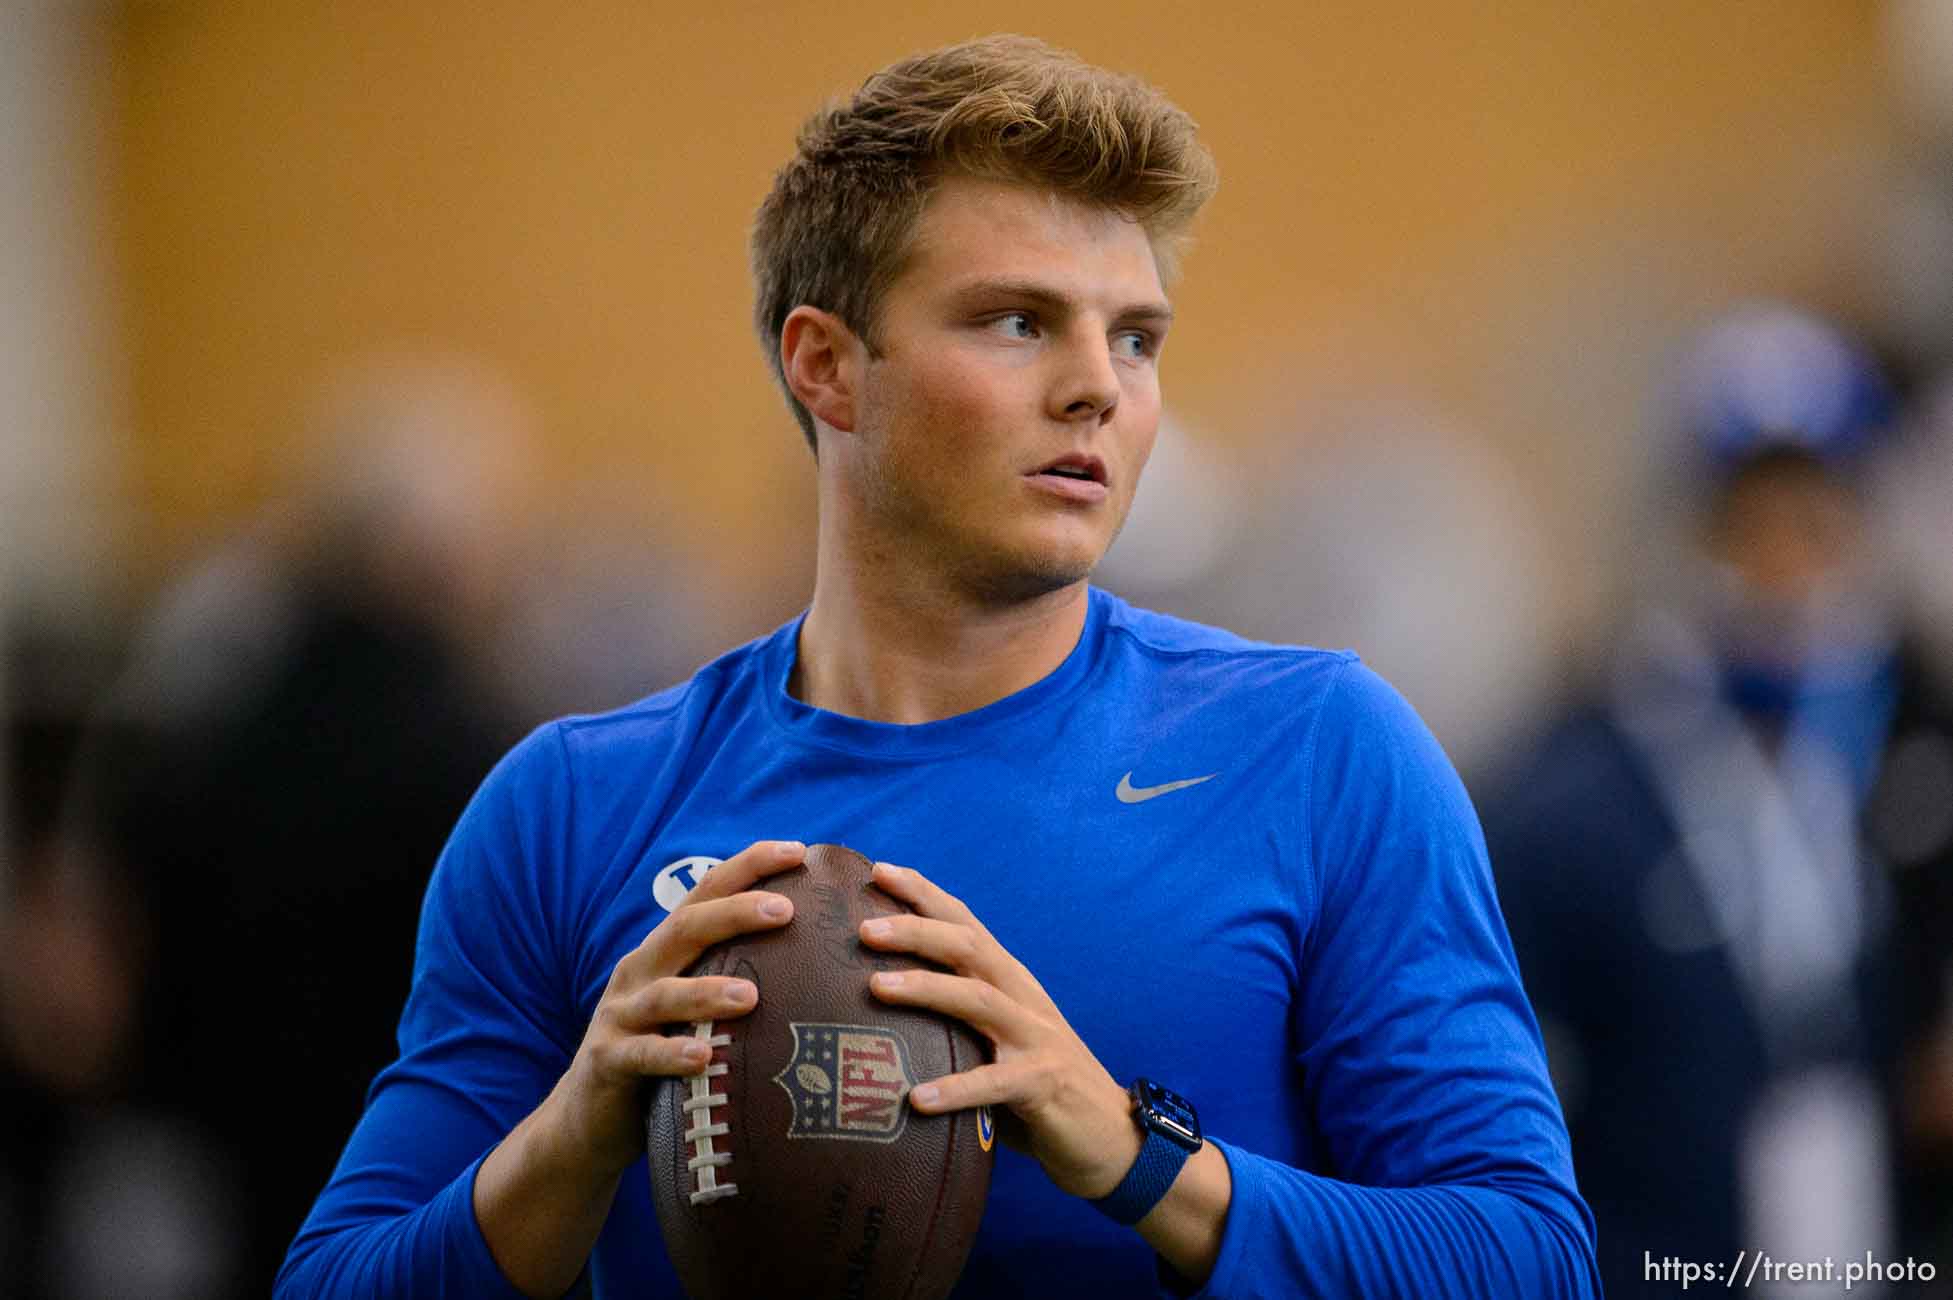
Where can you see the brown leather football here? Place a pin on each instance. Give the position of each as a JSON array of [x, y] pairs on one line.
[[795, 1166]]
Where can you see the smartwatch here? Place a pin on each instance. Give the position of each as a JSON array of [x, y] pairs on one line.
[[1170, 1132]]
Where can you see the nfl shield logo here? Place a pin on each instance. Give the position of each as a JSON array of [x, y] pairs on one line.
[[847, 1081]]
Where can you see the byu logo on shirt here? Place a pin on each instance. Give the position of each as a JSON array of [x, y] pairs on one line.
[[680, 878]]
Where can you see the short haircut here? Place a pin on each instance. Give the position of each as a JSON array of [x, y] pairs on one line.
[[835, 229]]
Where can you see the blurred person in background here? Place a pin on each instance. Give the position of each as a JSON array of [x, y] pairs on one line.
[[223, 935], [1913, 487], [1729, 872]]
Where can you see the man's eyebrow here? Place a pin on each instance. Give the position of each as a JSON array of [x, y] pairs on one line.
[[1156, 310]]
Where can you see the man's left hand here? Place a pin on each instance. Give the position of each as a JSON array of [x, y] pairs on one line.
[[1071, 1115]]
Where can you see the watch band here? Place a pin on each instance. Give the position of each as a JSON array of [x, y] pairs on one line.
[[1146, 1183]]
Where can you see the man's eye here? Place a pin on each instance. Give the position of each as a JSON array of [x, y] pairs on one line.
[[1133, 344], [1017, 325]]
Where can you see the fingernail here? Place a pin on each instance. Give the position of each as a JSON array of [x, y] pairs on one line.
[[775, 908], [889, 867], [927, 1094], [888, 979], [695, 1052], [787, 848], [741, 993], [879, 928]]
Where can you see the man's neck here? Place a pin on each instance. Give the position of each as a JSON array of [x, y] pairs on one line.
[[870, 650]]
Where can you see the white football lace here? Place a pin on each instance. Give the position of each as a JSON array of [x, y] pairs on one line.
[[705, 1162]]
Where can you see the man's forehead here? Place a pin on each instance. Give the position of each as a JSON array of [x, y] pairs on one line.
[[975, 233]]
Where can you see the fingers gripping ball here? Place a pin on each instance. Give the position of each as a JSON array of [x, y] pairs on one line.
[[794, 1166]]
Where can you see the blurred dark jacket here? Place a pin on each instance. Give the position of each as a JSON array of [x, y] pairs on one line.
[[274, 805], [1658, 1042]]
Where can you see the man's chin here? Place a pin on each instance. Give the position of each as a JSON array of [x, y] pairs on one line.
[[1023, 578]]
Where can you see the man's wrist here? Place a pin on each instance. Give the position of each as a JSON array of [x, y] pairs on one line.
[[1169, 1132], [1146, 1183], [1122, 1153], [580, 1149]]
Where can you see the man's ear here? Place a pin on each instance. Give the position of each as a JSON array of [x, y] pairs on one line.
[[822, 358]]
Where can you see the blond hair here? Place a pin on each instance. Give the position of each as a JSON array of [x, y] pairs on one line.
[[835, 228]]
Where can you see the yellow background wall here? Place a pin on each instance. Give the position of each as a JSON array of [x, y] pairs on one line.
[[1503, 207]]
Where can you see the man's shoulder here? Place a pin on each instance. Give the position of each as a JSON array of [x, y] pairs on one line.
[[1174, 645], [1168, 637]]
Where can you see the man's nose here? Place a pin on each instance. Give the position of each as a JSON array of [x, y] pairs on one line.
[[1088, 384]]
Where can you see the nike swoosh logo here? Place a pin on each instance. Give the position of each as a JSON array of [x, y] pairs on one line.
[[1128, 793]]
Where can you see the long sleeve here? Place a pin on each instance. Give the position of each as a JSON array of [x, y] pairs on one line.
[[482, 1040], [1446, 1165]]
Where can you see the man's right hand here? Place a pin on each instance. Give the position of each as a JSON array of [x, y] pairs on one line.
[[542, 1196]]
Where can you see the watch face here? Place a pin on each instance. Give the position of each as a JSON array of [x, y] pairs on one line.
[[1167, 1113]]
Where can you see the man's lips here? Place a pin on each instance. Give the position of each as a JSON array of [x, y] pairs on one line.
[[1075, 478], [1077, 468]]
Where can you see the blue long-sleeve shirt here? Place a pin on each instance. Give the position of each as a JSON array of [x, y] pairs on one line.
[[1305, 943]]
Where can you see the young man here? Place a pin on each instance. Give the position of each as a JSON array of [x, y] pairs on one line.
[[1139, 847]]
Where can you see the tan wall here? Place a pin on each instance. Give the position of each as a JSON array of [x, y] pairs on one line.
[[1421, 193]]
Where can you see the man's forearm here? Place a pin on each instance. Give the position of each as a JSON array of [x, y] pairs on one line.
[[1300, 1233], [1185, 1228], [541, 1205]]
